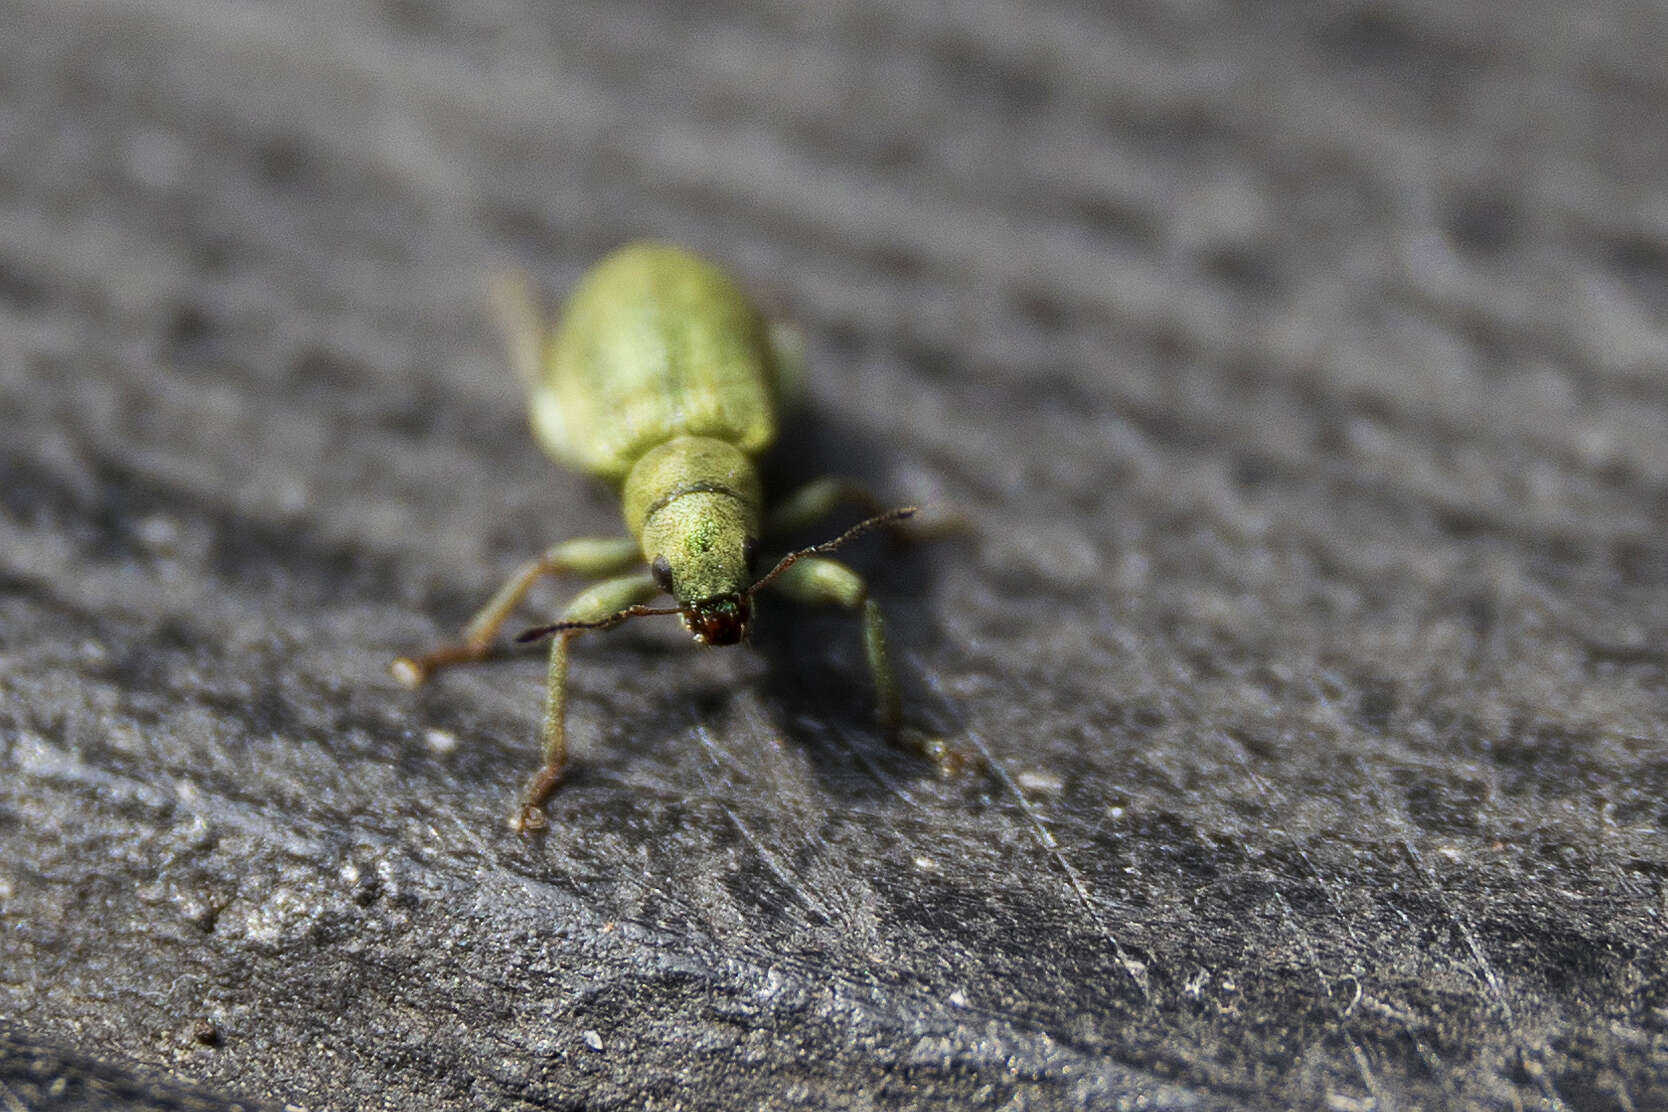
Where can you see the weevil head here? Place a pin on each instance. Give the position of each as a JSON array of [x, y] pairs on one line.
[[703, 557]]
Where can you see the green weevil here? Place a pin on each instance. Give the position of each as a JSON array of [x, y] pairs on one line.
[[664, 380]]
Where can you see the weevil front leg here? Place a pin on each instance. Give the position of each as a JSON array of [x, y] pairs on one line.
[[820, 581], [590, 605], [584, 556]]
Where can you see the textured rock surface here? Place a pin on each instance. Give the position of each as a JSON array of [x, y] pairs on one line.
[[1300, 368]]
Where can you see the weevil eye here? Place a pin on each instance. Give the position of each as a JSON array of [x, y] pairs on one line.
[[750, 553], [661, 569]]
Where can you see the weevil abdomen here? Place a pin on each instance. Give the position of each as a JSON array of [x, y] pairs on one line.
[[654, 344]]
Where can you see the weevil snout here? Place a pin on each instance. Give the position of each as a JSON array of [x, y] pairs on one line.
[[718, 621]]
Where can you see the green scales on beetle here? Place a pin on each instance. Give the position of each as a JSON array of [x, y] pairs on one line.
[[663, 379]]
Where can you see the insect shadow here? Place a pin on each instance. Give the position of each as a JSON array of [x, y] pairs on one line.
[[812, 670]]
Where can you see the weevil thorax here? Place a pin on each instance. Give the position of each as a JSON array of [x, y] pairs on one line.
[[693, 504]]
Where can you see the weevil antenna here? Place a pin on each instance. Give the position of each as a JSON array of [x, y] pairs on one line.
[[539, 633], [792, 558]]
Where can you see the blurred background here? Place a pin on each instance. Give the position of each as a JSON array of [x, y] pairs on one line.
[[1297, 367]]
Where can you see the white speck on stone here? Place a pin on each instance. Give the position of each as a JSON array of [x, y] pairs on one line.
[[1132, 572], [1035, 781], [593, 1041], [292, 497], [926, 864], [158, 159], [281, 918], [159, 533], [441, 741]]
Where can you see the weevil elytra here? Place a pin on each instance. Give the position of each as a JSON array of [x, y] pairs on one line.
[[663, 379]]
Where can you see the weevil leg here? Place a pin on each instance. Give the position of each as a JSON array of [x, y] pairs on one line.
[[820, 581], [584, 556], [515, 307], [820, 497], [817, 499], [592, 604], [787, 349], [553, 740]]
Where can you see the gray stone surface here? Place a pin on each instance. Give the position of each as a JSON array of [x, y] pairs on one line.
[[1298, 366]]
